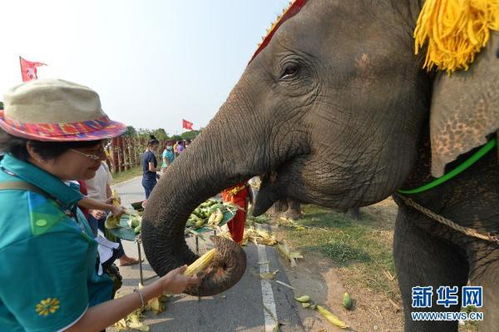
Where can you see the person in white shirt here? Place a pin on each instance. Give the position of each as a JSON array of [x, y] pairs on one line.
[[99, 188]]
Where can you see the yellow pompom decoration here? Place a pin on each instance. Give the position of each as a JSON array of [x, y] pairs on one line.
[[456, 30]]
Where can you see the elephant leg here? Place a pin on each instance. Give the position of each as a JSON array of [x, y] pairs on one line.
[[278, 208], [424, 260], [294, 210], [354, 213], [484, 272]]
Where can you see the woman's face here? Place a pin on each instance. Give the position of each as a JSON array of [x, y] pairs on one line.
[[75, 164], [154, 147]]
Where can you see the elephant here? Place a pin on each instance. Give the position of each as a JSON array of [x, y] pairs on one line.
[[338, 107]]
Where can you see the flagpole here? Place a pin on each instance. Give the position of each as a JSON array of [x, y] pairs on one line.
[[21, 66]]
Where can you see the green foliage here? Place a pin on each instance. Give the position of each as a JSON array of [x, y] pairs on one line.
[[176, 138], [1, 105], [130, 131], [160, 134], [189, 135], [144, 133]]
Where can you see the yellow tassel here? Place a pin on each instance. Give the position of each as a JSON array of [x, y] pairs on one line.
[[455, 30]]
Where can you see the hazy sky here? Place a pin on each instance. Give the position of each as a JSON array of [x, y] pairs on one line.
[[153, 62]]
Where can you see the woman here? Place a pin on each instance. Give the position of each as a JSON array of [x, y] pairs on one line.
[[238, 195], [53, 131], [168, 157], [149, 166]]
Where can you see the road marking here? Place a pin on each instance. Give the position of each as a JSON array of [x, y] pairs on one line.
[[269, 312]]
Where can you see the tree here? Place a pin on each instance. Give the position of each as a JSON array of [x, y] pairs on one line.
[[144, 133], [176, 138], [190, 135], [160, 134], [130, 131], [1, 105]]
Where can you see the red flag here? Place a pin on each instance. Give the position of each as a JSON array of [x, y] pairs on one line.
[[28, 69], [187, 124]]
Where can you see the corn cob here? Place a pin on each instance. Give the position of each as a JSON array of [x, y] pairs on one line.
[[331, 318], [201, 263]]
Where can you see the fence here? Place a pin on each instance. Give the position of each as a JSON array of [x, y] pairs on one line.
[[125, 152]]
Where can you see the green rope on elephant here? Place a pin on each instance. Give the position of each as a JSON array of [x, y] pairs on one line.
[[459, 169]]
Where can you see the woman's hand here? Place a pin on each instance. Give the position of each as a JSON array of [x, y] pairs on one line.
[[175, 281], [117, 211], [97, 214]]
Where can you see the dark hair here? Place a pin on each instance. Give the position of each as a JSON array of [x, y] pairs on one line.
[[152, 141], [47, 150]]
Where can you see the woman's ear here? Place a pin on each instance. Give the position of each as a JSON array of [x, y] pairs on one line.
[[465, 108], [33, 155], [31, 152]]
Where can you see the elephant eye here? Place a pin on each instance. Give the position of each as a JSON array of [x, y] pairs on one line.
[[289, 71]]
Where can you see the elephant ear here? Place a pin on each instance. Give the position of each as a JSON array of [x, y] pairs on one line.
[[465, 107]]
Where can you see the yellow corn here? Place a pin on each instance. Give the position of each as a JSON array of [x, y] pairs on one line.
[[331, 318], [201, 263]]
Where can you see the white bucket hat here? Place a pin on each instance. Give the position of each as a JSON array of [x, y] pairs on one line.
[[56, 110]]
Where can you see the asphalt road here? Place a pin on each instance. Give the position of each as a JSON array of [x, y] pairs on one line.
[[254, 304]]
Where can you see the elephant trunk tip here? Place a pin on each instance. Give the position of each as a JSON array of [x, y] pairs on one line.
[[225, 270]]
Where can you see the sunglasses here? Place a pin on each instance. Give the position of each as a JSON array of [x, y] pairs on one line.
[[101, 154]]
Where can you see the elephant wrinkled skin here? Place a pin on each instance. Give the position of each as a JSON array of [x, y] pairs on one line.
[[338, 108]]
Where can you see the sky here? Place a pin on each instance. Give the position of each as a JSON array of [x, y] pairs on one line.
[[153, 62]]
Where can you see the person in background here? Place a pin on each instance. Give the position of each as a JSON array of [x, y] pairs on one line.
[[175, 151], [180, 147], [149, 166], [99, 190], [168, 157], [87, 203], [53, 131], [239, 196]]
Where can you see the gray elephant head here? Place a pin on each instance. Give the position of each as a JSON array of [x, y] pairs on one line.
[[334, 103]]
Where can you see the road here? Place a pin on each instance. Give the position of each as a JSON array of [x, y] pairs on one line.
[[254, 304]]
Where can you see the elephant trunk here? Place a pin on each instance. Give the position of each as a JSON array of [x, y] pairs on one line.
[[218, 158]]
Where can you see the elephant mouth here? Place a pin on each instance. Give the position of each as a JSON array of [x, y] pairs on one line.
[[268, 193], [276, 184]]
